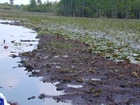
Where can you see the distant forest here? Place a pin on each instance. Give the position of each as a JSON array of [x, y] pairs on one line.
[[86, 8], [100, 8]]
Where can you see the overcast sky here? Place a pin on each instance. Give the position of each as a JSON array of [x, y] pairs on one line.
[[23, 1]]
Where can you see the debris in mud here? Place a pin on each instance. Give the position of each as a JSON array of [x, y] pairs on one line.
[[42, 96], [5, 47], [13, 55], [13, 103], [32, 97], [28, 40]]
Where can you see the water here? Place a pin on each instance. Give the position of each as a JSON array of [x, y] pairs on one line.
[[15, 83]]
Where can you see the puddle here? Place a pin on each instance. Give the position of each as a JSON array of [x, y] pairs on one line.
[[15, 83], [56, 56], [65, 56], [75, 86], [95, 79]]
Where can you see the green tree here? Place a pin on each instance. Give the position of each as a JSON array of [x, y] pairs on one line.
[[11, 2], [39, 1], [33, 4], [136, 8]]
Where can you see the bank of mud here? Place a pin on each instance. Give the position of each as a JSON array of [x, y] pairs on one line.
[[86, 79]]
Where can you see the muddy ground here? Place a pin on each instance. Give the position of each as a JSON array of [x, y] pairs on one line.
[[100, 81]]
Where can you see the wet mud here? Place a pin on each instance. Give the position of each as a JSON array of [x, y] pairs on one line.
[[86, 79]]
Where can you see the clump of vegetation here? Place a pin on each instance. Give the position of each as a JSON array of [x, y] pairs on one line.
[[59, 45], [6, 6]]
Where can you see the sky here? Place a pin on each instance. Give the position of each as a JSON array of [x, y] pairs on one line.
[[24, 1]]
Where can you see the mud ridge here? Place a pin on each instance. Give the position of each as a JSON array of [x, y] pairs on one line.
[[86, 78]]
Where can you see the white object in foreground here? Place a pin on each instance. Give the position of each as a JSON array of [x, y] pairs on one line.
[[3, 100]]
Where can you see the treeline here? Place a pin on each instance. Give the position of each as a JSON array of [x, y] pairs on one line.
[[33, 6], [100, 8], [86, 8], [6, 6], [38, 6]]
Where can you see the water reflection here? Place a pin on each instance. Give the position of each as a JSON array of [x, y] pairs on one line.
[[16, 84], [43, 88], [3, 54], [8, 81]]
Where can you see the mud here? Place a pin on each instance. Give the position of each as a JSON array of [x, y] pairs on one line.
[[86, 79]]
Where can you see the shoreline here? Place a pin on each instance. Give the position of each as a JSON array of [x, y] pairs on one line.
[[57, 59]]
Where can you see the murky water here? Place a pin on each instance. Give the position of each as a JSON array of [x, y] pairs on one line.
[[15, 83]]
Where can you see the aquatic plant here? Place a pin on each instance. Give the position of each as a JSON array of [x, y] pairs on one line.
[[114, 39]]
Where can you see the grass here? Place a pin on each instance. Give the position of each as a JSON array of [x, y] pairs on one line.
[[59, 45], [115, 39]]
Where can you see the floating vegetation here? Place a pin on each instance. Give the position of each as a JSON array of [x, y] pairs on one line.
[[115, 39]]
